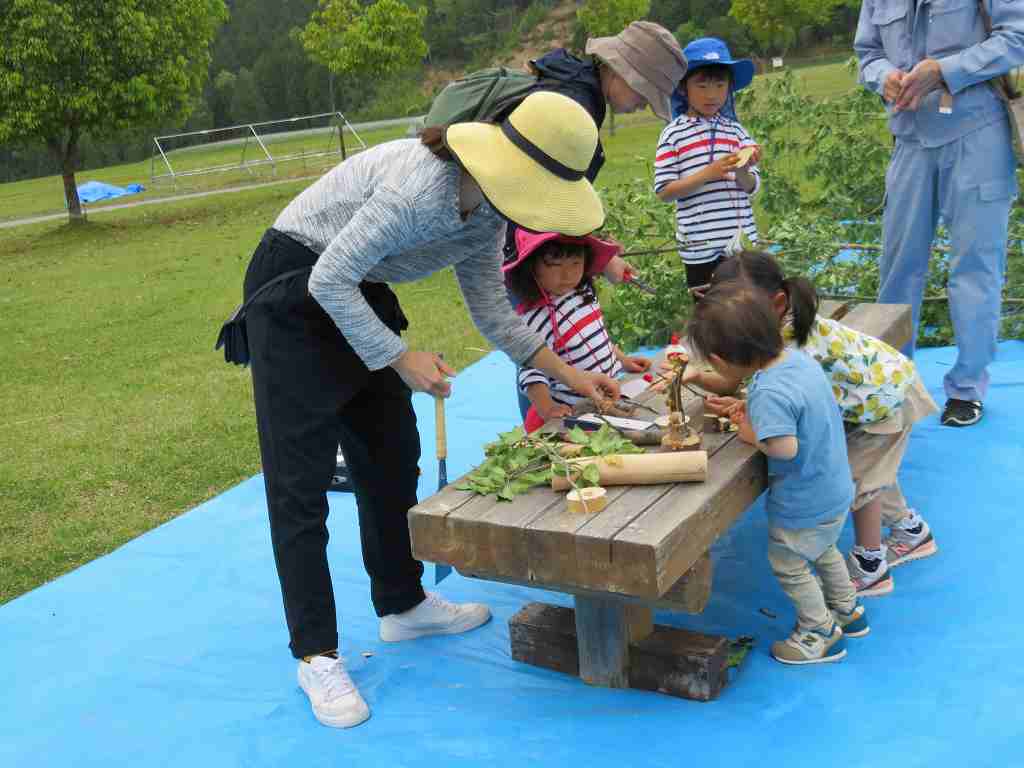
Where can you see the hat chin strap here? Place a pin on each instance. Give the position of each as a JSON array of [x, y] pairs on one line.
[[538, 155]]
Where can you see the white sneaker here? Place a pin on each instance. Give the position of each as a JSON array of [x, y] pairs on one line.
[[434, 616], [334, 697]]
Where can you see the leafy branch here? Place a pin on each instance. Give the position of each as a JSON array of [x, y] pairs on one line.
[[516, 462]]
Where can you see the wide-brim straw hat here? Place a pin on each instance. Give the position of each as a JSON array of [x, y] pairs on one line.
[[648, 57], [531, 167]]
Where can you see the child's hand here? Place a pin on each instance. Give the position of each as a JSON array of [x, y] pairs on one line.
[[722, 168], [616, 270], [755, 157], [721, 406], [553, 411], [692, 375], [737, 412], [635, 364]]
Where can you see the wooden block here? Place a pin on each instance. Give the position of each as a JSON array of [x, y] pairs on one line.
[[545, 636], [680, 663], [664, 659]]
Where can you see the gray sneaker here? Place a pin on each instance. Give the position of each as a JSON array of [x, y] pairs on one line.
[[904, 546]]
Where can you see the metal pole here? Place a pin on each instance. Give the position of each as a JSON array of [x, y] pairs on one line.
[[273, 163], [167, 162]]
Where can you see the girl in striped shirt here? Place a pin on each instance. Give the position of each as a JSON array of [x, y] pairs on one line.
[[698, 163], [552, 276]]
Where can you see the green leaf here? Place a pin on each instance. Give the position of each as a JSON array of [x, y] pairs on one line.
[[591, 474]]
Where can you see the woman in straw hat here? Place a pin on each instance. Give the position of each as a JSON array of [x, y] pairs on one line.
[[329, 365]]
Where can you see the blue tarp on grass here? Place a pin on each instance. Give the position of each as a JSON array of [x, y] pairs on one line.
[[92, 191], [172, 651]]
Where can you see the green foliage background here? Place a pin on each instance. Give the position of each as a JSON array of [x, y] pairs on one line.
[[824, 181]]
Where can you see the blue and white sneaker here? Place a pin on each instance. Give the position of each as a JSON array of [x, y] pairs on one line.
[[810, 646], [854, 623]]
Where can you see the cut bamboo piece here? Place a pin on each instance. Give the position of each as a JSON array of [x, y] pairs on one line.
[[642, 469], [586, 500]]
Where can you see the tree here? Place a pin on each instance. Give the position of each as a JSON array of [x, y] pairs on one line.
[[221, 94], [98, 67], [380, 39], [601, 18], [774, 23], [247, 102]]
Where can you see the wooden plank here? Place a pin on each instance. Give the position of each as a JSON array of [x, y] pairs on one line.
[[833, 309], [551, 541], [602, 637], [673, 600], [498, 535], [428, 527], [597, 567], [667, 660], [659, 546], [890, 322]]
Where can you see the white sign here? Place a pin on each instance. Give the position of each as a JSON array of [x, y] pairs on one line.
[[777, 62]]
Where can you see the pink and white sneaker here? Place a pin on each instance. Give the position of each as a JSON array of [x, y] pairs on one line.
[[913, 544], [869, 583]]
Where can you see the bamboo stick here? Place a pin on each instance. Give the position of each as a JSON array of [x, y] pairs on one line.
[[642, 469]]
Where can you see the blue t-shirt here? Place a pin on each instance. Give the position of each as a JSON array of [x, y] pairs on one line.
[[793, 397]]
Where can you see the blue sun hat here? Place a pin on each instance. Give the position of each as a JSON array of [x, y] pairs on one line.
[[705, 52]]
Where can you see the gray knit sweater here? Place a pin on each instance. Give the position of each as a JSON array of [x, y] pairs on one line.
[[391, 214]]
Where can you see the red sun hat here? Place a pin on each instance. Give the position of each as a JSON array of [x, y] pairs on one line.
[[602, 251]]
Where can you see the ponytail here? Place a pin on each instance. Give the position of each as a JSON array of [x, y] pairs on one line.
[[803, 305], [763, 272]]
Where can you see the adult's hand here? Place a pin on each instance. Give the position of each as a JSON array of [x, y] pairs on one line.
[[424, 372], [892, 85], [924, 78]]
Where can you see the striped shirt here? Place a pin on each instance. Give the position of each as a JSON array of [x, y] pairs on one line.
[[573, 326], [391, 215], [708, 218]]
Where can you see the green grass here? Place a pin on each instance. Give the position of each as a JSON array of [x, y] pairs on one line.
[[116, 414]]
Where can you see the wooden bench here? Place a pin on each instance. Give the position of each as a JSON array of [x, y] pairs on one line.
[[649, 548]]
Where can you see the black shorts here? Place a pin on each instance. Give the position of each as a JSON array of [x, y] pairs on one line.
[[700, 274]]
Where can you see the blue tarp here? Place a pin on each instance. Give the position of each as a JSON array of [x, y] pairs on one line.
[[92, 191], [172, 651]]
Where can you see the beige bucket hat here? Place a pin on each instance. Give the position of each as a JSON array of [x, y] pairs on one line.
[[531, 166], [648, 57]]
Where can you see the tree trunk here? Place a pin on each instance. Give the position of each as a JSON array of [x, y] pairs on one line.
[[67, 156], [75, 213]]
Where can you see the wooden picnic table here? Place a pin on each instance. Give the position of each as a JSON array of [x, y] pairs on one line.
[[648, 548]]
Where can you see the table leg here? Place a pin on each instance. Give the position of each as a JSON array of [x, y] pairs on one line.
[[604, 630]]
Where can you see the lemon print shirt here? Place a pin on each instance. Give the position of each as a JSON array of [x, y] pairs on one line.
[[869, 378]]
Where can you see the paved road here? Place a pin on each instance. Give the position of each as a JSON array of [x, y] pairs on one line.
[[369, 126], [151, 201]]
